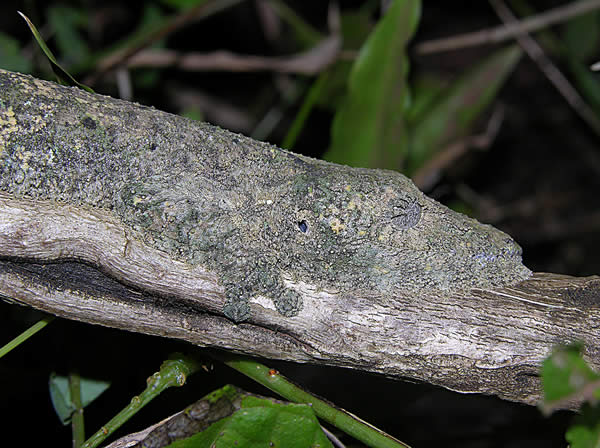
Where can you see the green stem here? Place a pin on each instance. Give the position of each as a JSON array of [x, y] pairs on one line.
[[173, 372], [309, 101], [350, 424], [77, 424], [305, 32], [26, 335]]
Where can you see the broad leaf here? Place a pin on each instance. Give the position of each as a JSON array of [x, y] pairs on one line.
[[585, 430], [355, 28], [262, 422], [60, 394], [368, 129], [426, 89], [565, 375]]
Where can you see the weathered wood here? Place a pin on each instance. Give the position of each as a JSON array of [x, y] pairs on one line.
[[478, 323]]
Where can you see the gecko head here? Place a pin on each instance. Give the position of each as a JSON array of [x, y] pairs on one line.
[[374, 228]]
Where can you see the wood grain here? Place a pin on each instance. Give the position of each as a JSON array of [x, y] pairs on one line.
[[82, 263]]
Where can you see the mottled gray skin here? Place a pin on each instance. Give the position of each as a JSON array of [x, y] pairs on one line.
[[254, 214]]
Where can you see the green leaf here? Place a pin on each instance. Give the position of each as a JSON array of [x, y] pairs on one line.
[[205, 438], [426, 89], [453, 114], [305, 34], [357, 24], [355, 28], [61, 74], [585, 431], [60, 394], [11, 57], [565, 375], [262, 422], [580, 436], [368, 128]]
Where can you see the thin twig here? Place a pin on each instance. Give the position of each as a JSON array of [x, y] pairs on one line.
[[169, 27], [332, 438], [508, 31], [309, 62], [554, 75], [426, 177]]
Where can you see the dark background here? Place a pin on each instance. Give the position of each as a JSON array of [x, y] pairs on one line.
[[538, 182]]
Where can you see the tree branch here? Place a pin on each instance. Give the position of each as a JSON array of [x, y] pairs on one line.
[[124, 216]]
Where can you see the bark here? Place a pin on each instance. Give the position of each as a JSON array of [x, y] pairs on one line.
[[80, 259]]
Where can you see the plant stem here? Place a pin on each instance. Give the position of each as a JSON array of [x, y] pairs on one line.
[[26, 335], [309, 101], [173, 372], [77, 424], [308, 35], [341, 419]]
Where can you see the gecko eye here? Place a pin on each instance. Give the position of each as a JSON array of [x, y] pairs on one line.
[[303, 226]]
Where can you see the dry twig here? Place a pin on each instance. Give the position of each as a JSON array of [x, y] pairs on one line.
[[307, 63], [554, 75], [506, 32], [426, 177], [177, 22]]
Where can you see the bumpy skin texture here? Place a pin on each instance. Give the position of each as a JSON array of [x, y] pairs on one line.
[[256, 215]]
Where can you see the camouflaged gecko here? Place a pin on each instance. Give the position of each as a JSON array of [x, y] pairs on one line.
[[256, 215]]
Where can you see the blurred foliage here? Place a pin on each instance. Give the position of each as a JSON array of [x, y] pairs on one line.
[[377, 126], [368, 129], [304, 34], [567, 378], [11, 55], [581, 37], [447, 114], [355, 28], [68, 24], [577, 47]]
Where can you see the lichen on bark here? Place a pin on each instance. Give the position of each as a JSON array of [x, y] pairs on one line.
[[256, 215]]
